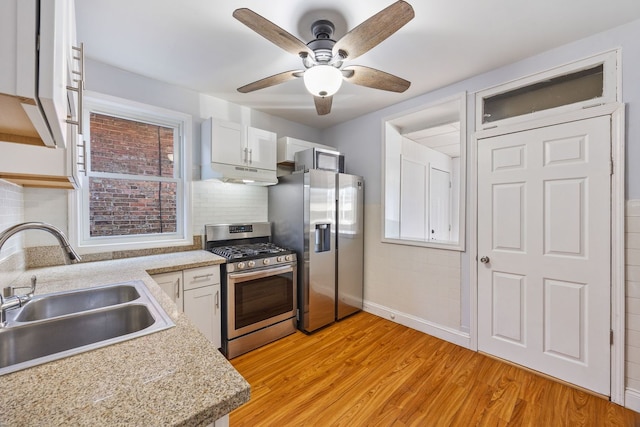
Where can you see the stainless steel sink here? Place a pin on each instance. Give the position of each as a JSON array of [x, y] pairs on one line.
[[67, 323], [45, 307]]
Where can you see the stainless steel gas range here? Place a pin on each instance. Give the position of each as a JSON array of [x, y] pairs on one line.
[[259, 286]]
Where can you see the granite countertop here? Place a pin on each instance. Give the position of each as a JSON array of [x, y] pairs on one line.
[[171, 377]]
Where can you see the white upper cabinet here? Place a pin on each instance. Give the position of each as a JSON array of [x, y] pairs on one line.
[[228, 143], [41, 63], [38, 58], [232, 152], [261, 148]]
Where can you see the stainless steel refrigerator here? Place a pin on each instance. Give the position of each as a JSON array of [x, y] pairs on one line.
[[319, 214]]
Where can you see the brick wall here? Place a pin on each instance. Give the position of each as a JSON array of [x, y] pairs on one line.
[[127, 206]]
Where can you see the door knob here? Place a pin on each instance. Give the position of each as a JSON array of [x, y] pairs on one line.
[[484, 259]]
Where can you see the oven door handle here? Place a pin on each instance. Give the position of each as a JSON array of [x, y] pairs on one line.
[[261, 273]]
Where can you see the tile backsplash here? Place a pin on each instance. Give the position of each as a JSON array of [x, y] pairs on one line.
[[221, 203], [12, 261], [11, 212], [632, 272]]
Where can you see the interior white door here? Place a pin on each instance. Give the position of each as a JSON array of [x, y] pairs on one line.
[[544, 250], [439, 204]]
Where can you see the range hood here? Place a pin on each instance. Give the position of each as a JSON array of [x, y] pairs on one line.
[[238, 174]]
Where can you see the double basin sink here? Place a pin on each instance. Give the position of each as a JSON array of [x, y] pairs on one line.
[[62, 324]]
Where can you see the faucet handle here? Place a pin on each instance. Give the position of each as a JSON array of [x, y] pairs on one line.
[[9, 291]]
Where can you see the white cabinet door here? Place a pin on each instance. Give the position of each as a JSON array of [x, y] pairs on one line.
[[202, 301], [228, 143], [262, 148], [55, 44], [201, 306], [196, 292], [238, 145], [171, 284]]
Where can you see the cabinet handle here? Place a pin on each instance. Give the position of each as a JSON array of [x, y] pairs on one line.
[[202, 276], [178, 289], [79, 88], [82, 159], [217, 299], [245, 159], [251, 156]]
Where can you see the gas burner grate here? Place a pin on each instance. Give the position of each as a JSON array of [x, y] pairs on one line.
[[252, 250]]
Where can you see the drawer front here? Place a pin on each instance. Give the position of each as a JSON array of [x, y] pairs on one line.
[[202, 276]]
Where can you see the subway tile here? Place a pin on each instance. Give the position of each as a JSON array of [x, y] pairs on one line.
[[633, 289], [633, 224], [632, 273], [632, 257], [632, 338], [633, 305], [633, 208], [633, 321], [632, 240]]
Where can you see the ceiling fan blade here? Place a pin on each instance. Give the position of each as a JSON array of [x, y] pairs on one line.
[[370, 77], [323, 105], [276, 79], [374, 30], [272, 32]]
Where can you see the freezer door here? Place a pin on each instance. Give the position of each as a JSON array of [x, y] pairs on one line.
[[319, 292], [350, 245]]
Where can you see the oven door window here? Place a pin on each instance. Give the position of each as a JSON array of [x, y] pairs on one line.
[[260, 299]]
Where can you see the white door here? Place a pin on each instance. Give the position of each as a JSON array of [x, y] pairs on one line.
[[439, 205], [544, 250]]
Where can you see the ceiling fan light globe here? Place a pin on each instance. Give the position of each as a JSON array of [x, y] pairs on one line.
[[322, 80]]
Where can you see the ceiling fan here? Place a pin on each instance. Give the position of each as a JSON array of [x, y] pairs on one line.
[[323, 58]]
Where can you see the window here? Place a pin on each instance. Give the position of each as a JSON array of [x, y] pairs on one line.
[[135, 192], [572, 87]]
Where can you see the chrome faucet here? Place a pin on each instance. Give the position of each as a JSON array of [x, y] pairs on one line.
[[70, 254], [10, 301]]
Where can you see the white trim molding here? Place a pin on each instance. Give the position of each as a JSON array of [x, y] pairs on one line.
[[430, 328], [632, 399]]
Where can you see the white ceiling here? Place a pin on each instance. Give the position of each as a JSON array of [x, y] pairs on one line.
[[197, 44]]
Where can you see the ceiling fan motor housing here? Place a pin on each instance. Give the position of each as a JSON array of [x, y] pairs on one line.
[[323, 44]]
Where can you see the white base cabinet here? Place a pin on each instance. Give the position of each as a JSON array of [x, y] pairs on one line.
[[196, 292]]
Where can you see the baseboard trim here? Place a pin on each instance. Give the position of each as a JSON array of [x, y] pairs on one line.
[[632, 399], [443, 332]]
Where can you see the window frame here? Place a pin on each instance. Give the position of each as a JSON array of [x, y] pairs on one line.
[[612, 91], [79, 203]]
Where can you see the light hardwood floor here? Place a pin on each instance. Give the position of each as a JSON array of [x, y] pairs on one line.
[[367, 371]]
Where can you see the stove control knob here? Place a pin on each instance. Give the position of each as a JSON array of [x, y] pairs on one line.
[[280, 259], [266, 261], [289, 257], [240, 265], [251, 263]]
